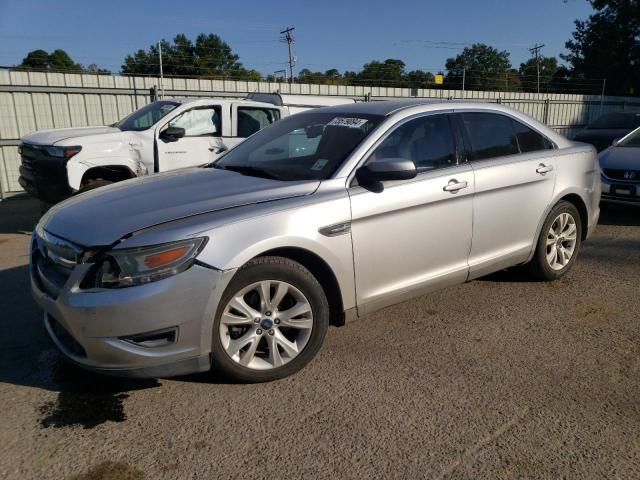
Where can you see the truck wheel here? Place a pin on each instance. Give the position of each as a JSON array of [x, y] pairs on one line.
[[93, 184], [271, 321]]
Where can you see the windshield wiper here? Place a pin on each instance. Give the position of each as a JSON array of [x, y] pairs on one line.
[[249, 170]]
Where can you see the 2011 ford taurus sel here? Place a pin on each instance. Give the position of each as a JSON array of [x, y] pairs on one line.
[[326, 215]]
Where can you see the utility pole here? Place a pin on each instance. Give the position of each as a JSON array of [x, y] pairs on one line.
[[464, 74], [289, 39], [161, 76], [535, 50]]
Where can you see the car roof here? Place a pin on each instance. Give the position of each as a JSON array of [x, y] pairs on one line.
[[390, 107]]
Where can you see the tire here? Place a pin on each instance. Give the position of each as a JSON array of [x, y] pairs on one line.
[[254, 340], [564, 240], [93, 184]]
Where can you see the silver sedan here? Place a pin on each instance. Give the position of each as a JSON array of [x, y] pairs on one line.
[[322, 217]]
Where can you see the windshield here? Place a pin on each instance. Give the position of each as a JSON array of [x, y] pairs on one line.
[[305, 146], [631, 140], [146, 116], [620, 121]]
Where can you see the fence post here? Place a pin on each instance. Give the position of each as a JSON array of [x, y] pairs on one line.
[[153, 94], [3, 169], [546, 111]]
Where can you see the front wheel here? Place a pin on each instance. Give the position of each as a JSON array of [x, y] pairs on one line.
[[271, 321], [93, 184], [558, 244]]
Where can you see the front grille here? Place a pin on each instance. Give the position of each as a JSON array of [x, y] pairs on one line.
[[65, 338], [624, 175], [43, 175], [621, 198]]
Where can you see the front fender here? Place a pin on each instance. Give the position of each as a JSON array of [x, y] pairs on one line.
[[76, 168]]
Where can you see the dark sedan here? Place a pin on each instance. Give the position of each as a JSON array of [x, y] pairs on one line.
[[620, 167], [608, 128]]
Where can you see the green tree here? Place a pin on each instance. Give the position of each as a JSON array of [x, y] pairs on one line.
[[529, 73], [208, 56], [607, 45], [388, 73], [58, 60], [419, 79], [37, 60], [484, 67]]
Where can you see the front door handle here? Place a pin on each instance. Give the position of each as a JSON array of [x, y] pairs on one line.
[[454, 186], [542, 169]]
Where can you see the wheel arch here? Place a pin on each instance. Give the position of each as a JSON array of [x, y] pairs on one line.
[[77, 169], [112, 173], [577, 201], [320, 269]]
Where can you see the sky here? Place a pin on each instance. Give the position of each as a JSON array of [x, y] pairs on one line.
[[329, 34]]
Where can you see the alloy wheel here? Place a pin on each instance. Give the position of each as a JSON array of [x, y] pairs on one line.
[[266, 324], [561, 241]]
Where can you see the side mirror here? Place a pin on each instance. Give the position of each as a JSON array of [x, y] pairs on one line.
[[172, 134], [386, 169]]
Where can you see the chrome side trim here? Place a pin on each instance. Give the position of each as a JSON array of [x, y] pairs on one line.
[[335, 229]]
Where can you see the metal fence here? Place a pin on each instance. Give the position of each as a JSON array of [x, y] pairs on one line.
[[32, 101]]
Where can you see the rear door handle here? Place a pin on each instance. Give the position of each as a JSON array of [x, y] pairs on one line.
[[542, 169], [454, 186]]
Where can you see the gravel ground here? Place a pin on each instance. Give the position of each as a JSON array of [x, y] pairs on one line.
[[497, 378]]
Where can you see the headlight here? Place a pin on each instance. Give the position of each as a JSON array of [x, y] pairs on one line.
[[136, 266], [63, 152]]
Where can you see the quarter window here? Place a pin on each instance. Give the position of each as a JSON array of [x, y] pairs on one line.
[[199, 122], [530, 140], [253, 119], [491, 135], [427, 141]]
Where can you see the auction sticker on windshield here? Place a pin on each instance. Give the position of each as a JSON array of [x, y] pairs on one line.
[[348, 122]]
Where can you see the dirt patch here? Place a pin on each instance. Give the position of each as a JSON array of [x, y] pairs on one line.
[[110, 471]]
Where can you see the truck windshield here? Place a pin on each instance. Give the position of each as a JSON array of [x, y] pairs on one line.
[[146, 116], [305, 146]]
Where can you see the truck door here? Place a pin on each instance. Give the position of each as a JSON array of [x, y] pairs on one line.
[[202, 142]]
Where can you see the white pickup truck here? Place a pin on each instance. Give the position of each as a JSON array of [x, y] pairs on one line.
[[163, 135]]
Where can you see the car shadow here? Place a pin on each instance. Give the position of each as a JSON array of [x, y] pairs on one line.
[[29, 358], [621, 215], [19, 214]]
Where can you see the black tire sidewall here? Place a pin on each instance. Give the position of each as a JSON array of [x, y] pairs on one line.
[[542, 269], [272, 268], [93, 184]]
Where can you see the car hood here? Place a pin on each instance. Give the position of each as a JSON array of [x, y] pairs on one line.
[[102, 217], [620, 158], [51, 137]]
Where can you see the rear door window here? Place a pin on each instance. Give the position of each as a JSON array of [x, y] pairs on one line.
[[491, 135], [253, 119]]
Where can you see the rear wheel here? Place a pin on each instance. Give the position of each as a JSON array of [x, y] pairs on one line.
[[271, 321], [558, 244]]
